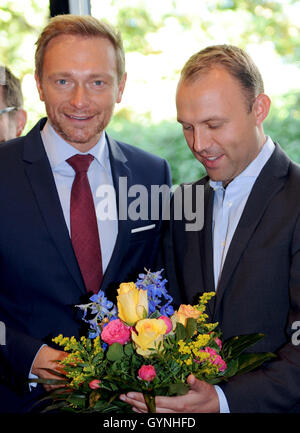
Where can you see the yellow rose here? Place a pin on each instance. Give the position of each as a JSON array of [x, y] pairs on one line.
[[149, 333], [132, 303], [185, 312]]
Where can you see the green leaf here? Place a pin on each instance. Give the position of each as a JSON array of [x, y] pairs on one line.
[[128, 349], [114, 387], [234, 346], [97, 358], [155, 315], [232, 368], [191, 326], [55, 372], [145, 313], [249, 361], [77, 399], [55, 406], [52, 395], [180, 332], [115, 352]]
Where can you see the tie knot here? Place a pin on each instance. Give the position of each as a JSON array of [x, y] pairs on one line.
[[80, 162]]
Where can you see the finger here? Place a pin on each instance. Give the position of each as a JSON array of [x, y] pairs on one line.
[[178, 404], [51, 387], [196, 384], [136, 400], [138, 396], [138, 404], [164, 410], [134, 409]]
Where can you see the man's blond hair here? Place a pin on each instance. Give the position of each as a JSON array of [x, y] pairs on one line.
[[81, 25], [231, 58]]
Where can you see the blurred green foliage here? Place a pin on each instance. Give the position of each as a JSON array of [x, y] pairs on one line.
[[135, 24], [20, 25], [283, 124], [241, 22]]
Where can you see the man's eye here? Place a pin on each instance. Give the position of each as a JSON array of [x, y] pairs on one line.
[[214, 125], [98, 82], [62, 81]]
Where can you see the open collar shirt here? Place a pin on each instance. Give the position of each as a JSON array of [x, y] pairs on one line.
[[229, 204]]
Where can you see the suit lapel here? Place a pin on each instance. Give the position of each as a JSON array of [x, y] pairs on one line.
[[207, 254], [207, 245], [268, 183], [39, 173], [118, 162], [194, 250]]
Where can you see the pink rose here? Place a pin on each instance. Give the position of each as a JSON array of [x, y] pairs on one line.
[[216, 359], [220, 363], [94, 384], [116, 332], [147, 372], [219, 342], [211, 351], [168, 322]]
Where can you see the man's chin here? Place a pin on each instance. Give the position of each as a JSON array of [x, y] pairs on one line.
[[82, 144], [216, 178], [78, 138], [220, 179]]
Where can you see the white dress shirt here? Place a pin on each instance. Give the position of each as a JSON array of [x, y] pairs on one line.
[[100, 179], [229, 204], [228, 207]]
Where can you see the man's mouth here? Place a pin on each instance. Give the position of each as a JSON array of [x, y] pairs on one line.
[[77, 117], [212, 161]]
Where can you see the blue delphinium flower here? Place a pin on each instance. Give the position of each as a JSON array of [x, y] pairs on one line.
[[95, 311], [158, 297]]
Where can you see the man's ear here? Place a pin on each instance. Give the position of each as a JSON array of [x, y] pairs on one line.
[[121, 87], [21, 118], [261, 107]]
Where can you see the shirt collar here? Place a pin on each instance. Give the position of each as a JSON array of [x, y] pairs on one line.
[[254, 168], [58, 150]]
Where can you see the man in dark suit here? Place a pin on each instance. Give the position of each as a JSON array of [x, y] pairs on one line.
[[249, 248], [12, 115], [44, 273]]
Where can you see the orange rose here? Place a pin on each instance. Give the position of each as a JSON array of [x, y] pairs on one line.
[[185, 312]]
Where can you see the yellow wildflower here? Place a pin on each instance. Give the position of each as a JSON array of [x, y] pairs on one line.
[[202, 340], [83, 341], [184, 348], [97, 345]]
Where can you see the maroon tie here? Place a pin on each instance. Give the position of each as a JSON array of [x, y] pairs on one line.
[[84, 229]]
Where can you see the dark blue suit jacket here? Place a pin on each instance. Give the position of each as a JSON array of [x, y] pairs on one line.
[[40, 281], [259, 289]]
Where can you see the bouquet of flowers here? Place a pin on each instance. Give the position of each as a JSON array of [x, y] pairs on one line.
[[143, 345]]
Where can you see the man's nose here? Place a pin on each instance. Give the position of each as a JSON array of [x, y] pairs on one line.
[[200, 140], [79, 98]]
